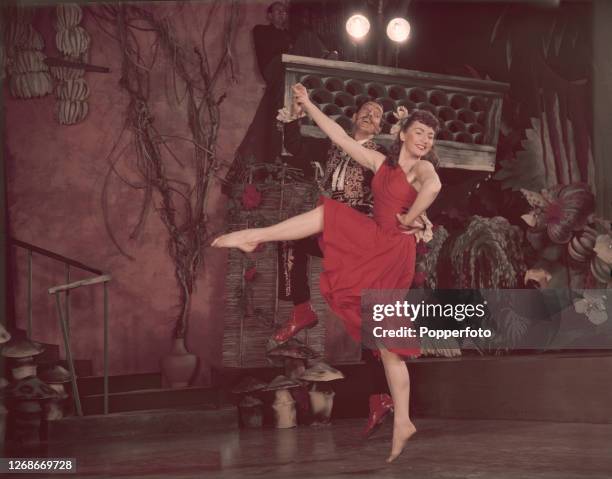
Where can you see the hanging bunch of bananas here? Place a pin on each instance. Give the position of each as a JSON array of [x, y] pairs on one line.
[[71, 38], [29, 74], [72, 90], [71, 106]]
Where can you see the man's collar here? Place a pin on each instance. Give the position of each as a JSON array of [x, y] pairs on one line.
[[365, 140]]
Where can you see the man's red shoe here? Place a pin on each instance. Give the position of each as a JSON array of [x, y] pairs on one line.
[[380, 406], [302, 317]]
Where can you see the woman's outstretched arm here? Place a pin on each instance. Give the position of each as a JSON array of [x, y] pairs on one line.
[[369, 158], [430, 187]]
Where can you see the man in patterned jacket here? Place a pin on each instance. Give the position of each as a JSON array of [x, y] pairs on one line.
[[344, 180]]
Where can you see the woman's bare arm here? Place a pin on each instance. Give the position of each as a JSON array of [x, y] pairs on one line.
[[430, 187], [368, 158]]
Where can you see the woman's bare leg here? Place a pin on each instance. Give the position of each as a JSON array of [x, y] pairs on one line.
[[296, 227], [398, 380]]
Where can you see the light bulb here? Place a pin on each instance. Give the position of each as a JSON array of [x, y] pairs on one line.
[[398, 30], [357, 26]]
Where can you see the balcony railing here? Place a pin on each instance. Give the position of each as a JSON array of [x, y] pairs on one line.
[[469, 109], [64, 311]]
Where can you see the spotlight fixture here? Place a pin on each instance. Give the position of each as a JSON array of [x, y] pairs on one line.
[[357, 26], [398, 30]]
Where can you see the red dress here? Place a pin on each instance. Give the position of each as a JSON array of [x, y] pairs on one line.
[[367, 253]]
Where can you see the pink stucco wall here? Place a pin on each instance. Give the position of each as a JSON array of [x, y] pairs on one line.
[[55, 177]]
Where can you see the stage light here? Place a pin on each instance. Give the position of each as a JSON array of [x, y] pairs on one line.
[[398, 30], [357, 26]]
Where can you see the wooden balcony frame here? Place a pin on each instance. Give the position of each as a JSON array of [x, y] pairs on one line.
[[452, 154]]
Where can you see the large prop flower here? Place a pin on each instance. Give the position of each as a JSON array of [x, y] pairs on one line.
[[560, 210], [539, 276], [601, 264], [580, 248], [601, 270], [603, 248], [593, 305]]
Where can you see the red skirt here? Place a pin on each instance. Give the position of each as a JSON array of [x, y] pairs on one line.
[[357, 255]]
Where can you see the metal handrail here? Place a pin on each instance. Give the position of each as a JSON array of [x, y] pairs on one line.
[[66, 288], [55, 256], [77, 284], [64, 316]]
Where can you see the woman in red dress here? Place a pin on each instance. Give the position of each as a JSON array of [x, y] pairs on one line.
[[367, 253]]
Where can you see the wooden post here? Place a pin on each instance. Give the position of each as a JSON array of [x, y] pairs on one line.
[[602, 92], [73, 378], [29, 324], [381, 34]]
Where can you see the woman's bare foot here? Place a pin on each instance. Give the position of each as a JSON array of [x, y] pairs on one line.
[[401, 433], [239, 239]]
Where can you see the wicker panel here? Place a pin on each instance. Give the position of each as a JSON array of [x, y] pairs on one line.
[[246, 337]]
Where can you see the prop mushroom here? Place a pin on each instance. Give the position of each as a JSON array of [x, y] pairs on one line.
[[294, 354], [24, 404], [284, 405], [5, 336], [321, 393], [21, 352], [3, 385], [55, 377], [250, 407]]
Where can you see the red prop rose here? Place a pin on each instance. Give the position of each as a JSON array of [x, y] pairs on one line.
[[422, 248], [249, 274], [419, 279], [251, 198]]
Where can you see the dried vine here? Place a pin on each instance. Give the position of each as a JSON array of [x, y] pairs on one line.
[[182, 207]]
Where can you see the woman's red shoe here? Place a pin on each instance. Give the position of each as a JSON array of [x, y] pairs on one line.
[[302, 317], [380, 406]]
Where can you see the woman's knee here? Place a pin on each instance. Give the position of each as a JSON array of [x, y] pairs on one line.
[[389, 356]]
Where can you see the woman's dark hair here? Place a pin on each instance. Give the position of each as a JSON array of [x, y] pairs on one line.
[[422, 116]]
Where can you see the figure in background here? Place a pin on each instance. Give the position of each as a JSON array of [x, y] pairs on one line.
[[262, 140], [276, 38], [344, 180], [367, 253], [271, 41]]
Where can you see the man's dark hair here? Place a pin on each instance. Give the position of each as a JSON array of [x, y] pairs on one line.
[[363, 102], [272, 5]]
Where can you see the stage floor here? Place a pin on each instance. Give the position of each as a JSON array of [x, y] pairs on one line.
[[445, 449]]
